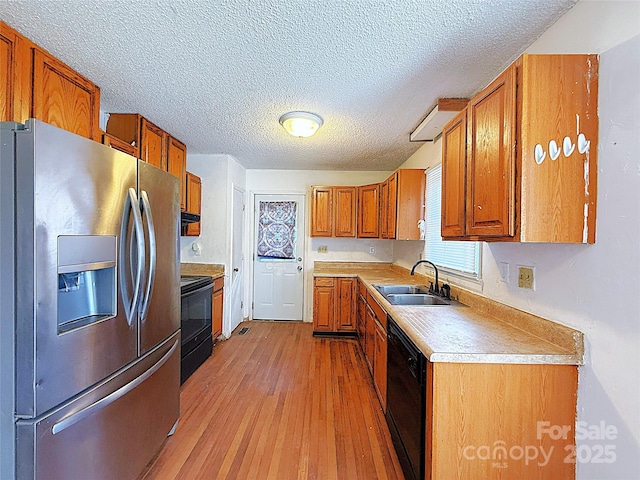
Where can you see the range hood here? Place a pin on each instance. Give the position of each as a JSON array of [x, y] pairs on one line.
[[187, 218]]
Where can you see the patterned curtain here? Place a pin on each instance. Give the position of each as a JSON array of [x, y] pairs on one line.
[[277, 229]]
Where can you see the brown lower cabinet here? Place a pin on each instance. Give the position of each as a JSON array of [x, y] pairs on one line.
[[370, 337], [216, 305], [500, 421], [479, 410], [334, 305], [361, 313], [380, 353], [371, 326], [482, 419]]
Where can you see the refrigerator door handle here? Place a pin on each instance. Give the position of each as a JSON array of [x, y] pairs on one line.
[[112, 397], [132, 205], [146, 208]]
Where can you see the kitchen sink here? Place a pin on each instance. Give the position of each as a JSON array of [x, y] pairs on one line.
[[416, 299], [401, 289], [410, 295]]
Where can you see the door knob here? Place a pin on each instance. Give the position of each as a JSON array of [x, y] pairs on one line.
[[299, 268], [235, 269]]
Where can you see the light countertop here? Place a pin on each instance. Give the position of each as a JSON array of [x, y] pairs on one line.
[[210, 269], [477, 330]]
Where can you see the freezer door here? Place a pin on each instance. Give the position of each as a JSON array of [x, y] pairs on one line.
[[72, 330], [160, 301], [112, 431]]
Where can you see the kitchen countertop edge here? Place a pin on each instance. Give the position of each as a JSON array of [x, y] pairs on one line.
[[415, 322], [212, 270]]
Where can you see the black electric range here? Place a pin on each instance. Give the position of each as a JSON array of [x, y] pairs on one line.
[[189, 283], [195, 323]]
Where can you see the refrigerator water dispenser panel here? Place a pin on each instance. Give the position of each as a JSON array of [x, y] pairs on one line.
[[86, 280]]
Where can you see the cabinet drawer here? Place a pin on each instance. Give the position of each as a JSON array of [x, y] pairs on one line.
[[218, 284], [381, 315], [323, 282], [362, 290]]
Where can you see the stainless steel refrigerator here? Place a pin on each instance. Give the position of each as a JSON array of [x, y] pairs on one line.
[[89, 304]]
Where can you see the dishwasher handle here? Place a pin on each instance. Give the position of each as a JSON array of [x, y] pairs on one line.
[[414, 359]]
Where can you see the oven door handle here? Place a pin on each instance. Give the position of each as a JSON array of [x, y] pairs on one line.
[[198, 290]]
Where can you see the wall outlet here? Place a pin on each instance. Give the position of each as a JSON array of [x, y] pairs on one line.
[[322, 249], [526, 277], [372, 250]]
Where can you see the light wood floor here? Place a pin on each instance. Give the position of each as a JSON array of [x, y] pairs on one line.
[[278, 403]]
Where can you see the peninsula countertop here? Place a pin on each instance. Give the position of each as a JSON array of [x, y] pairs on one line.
[[474, 330]]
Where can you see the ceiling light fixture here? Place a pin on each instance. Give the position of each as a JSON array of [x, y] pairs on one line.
[[301, 124]]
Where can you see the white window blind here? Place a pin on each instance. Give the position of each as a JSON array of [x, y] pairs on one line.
[[459, 257]]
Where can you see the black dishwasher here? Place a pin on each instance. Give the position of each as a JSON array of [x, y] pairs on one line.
[[406, 397]]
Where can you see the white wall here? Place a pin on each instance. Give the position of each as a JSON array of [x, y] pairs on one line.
[[213, 170], [219, 174], [342, 250], [593, 288], [406, 253]]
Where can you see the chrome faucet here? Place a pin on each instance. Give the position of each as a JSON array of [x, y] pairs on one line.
[[432, 289]]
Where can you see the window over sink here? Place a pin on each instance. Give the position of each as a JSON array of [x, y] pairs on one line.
[[454, 257]]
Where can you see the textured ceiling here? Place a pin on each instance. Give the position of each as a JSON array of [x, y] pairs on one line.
[[218, 74]]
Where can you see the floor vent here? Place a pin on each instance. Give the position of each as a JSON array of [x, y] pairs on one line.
[[243, 331]]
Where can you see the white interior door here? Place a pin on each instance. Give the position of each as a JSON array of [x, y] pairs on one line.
[[237, 261], [278, 257]]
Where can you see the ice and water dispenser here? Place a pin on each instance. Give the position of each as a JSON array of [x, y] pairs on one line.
[[86, 280]]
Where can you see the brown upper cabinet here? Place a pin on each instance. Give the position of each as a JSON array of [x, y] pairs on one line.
[[402, 204], [16, 75], [384, 208], [454, 158], [136, 130], [321, 212], [194, 199], [38, 85], [390, 209], [333, 211], [114, 142], [369, 211], [177, 166], [154, 146], [525, 166]]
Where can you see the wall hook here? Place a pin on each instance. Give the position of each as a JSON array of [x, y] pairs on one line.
[[554, 150], [568, 147], [539, 154], [583, 143]]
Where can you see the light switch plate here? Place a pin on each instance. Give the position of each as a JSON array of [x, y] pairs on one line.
[[504, 271]]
